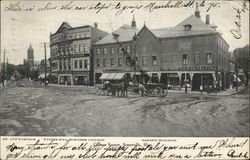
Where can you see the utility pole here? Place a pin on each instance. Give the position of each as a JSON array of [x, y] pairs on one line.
[[45, 65], [3, 66], [236, 71]]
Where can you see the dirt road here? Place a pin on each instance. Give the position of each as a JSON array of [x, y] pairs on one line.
[[64, 111]]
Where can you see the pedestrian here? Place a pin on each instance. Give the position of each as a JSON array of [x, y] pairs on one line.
[[141, 88]]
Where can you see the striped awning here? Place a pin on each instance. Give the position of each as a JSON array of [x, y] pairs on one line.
[[119, 76], [104, 76], [111, 76]]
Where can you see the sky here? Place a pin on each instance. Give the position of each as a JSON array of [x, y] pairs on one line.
[[20, 28]]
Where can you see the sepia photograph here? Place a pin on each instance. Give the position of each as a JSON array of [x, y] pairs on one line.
[[124, 68]]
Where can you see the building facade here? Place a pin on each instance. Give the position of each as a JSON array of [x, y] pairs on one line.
[[112, 53], [71, 52], [193, 52]]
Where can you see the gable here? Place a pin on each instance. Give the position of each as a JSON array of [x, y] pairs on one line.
[[64, 25]]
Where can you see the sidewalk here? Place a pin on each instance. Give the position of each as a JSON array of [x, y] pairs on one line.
[[70, 86], [227, 92]]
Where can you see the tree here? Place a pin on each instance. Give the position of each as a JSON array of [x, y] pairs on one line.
[[242, 59]]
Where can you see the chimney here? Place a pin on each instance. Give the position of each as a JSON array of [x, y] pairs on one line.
[[133, 24], [96, 25], [207, 19], [197, 12]]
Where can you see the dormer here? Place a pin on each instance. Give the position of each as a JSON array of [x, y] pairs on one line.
[[187, 27], [115, 36]]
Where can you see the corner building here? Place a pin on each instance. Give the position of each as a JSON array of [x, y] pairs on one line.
[[192, 52], [71, 53]]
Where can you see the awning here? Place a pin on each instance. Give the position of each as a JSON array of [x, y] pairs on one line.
[[237, 78], [104, 76], [43, 75], [111, 76], [173, 75], [119, 76]]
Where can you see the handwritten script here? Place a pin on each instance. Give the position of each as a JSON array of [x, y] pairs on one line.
[[238, 11], [121, 148], [98, 7]]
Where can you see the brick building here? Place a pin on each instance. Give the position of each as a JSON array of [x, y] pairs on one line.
[[192, 52], [109, 52], [71, 52]]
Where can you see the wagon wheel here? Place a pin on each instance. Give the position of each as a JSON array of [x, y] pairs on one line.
[[158, 91]]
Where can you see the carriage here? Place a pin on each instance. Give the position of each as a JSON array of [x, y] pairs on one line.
[[120, 85]]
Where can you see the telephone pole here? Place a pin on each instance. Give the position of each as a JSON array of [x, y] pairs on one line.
[[3, 67], [45, 65]]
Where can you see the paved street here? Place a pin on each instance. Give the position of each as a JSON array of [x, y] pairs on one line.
[[31, 109]]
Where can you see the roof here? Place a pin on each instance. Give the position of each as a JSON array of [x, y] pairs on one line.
[[198, 28], [125, 33]]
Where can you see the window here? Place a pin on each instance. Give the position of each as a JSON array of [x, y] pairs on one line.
[[98, 50], [128, 49], [104, 50], [81, 48], [60, 65], [76, 64], [184, 59], [69, 64], [144, 61], [86, 48], [76, 49], [196, 58], [76, 36], [80, 35], [80, 64], [65, 64], [119, 61], [70, 36], [188, 27], [136, 60], [154, 60], [112, 50], [209, 58], [127, 61], [120, 50], [85, 63], [112, 62], [98, 62], [104, 62]]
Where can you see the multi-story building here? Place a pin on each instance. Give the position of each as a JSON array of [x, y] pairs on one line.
[[71, 52], [192, 52], [111, 53]]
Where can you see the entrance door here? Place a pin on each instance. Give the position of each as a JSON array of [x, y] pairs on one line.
[[196, 82], [164, 78]]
